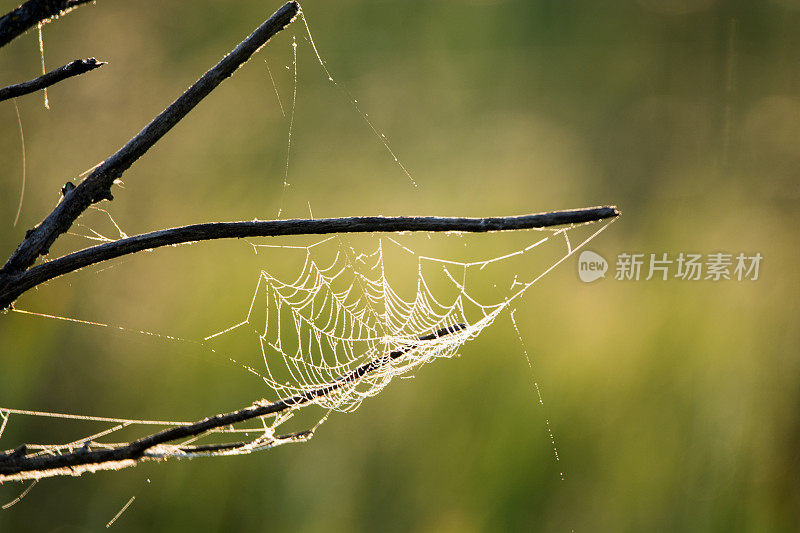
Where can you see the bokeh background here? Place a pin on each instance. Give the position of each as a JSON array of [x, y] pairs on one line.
[[674, 405]]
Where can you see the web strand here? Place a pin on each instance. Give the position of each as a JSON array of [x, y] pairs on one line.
[[24, 164], [550, 434], [44, 70], [291, 124], [354, 102], [275, 87]]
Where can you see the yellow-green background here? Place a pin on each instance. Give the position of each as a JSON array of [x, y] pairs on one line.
[[674, 405]]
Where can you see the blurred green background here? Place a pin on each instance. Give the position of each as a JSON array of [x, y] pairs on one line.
[[674, 404]]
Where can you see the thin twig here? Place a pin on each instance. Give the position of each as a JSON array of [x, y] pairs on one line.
[[15, 463], [73, 68], [31, 13], [97, 185], [16, 285]]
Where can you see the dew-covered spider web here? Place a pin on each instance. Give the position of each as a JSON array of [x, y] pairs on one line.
[[342, 313], [339, 329]]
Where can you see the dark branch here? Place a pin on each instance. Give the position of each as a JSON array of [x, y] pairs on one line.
[[13, 286], [16, 461], [74, 68], [97, 185], [31, 13]]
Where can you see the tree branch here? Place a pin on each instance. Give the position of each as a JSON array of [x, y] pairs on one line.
[[74, 68], [31, 13], [15, 463], [97, 185], [12, 286], [18, 275]]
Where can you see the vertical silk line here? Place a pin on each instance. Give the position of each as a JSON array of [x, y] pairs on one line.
[[41, 52], [24, 164], [291, 127], [550, 434]]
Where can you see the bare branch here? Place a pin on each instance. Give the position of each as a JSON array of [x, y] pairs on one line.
[[17, 464], [97, 185], [74, 68], [31, 13], [18, 275], [13, 286]]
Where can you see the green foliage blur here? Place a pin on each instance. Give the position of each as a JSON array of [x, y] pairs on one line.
[[674, 404]]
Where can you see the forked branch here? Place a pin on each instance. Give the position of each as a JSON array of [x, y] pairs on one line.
[[97, 185], [17, 464], [73, 68]]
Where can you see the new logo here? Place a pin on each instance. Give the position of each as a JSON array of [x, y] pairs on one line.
[[591, 266]]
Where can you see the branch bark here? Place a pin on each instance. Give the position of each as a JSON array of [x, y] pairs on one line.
[[12, 286], [74, 68], [15, 463], [31, 13], [97, 185]]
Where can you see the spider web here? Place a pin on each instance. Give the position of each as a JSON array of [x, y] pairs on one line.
[[335, 317], [340, 320]]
